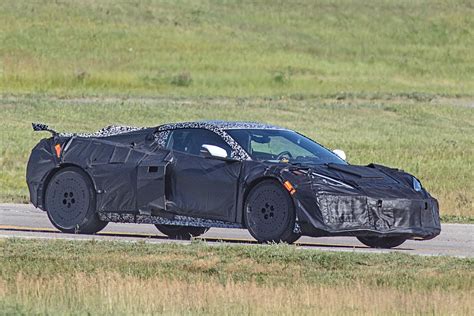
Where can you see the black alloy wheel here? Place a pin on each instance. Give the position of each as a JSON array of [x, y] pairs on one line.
[[70, 202], [270, 214]]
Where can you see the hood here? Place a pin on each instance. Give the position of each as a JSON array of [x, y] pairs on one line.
[[371, 180]]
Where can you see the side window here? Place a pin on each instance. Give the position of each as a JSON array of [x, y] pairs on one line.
[[190, 140]]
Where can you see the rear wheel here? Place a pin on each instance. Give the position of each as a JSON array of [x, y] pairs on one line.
[[181, 232], [270, 214], [70, 202], [382, 242]]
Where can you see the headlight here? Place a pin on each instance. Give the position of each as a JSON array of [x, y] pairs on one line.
[[416, 184]]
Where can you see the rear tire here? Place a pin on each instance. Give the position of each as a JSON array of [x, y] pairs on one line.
[[70, 202], [382, 242], [181, 232], [270, 214]]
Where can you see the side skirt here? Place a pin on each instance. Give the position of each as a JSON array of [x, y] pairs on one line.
[[175, 220]]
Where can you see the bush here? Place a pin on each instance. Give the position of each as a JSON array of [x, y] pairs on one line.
[[182, 80]]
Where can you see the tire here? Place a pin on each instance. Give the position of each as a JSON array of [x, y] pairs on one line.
[[70, 202], [181, 232], [269, 213], [382, 242]]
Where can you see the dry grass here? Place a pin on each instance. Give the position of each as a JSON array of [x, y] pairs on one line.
[[113, 294], [66, 277]]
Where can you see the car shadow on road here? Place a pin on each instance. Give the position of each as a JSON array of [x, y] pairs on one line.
[[208, 239]]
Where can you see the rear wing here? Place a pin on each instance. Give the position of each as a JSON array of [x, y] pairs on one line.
[[39, 127]]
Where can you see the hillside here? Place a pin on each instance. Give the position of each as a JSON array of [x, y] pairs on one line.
[[237, 48]]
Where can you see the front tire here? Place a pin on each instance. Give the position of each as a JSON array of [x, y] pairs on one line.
[[181, 232], [270, 214], [70, 202], [382, 242]]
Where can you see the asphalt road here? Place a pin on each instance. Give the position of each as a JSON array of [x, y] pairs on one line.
[[25, 221]]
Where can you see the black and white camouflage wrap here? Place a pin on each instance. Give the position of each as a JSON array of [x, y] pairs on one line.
[[161, 138], [176, 220], [110, 130]]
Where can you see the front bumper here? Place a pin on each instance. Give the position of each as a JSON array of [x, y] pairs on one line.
[[358, 215]]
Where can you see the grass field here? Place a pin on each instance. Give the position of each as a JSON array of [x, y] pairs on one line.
[[388, 81], [64, 277], [237, 48], [433, 141]]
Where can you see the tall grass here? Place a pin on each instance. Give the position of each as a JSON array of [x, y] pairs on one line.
[[113, 294], [236, 48], [64, 277]]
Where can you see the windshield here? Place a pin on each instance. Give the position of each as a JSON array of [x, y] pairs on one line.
[[282, 145]]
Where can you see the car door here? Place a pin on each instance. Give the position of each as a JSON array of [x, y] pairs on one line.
[[201, 186]]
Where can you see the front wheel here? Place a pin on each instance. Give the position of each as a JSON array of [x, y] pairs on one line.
[[270, 214], [181, 232], [70, 202], [382, 242]]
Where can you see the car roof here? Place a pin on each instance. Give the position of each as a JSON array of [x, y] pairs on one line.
[[224, 125], [209, 124]]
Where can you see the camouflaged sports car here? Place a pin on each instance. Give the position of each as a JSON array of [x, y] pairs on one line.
[[188, 177]]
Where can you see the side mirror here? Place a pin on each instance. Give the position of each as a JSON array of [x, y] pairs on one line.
[[340, 153], [213, 151]]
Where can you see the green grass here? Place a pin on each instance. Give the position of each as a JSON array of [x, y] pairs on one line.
[[63, 277], [237, 48], [434, 141]]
